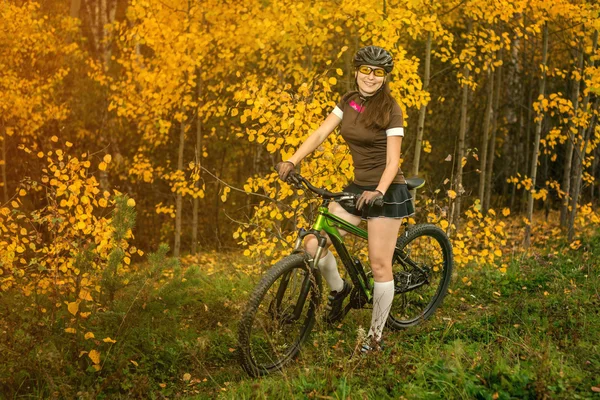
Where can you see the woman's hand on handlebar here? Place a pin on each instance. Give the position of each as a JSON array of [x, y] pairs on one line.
[[284, 169], [370, 198]]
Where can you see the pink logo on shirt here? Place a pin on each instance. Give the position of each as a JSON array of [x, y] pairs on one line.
[[356, 106]]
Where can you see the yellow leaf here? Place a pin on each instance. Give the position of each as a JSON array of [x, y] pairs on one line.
[[68, 144], [162, 385], [102, 166], [84, 294], [70, 330], [73, 307], [107, 158], [134, 363], [506, 211], [109, 340], [444, 224], [498, 253], [22, 192], [452, 194], [81, 225], [54, 138], [82, 353], [187, 377], [89, 335], [40, 154], [94, 355], [234, 112], [131, 203], [339, 71], [333, 80]]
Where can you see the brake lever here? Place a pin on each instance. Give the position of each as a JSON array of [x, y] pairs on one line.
[[294, 180]]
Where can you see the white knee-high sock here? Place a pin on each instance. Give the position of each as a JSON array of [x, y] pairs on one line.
[[383, 295], [328, 267]]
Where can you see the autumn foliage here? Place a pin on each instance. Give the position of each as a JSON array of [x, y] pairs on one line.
[[186, 106]]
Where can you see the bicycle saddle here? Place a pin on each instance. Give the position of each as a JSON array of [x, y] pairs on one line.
[[415, 182]]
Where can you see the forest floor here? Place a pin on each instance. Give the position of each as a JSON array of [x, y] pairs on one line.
[[533, 332]]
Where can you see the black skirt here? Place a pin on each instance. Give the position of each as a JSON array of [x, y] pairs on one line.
[[397, 202]]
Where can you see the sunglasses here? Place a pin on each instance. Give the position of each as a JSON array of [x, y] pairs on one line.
[[378, 72]]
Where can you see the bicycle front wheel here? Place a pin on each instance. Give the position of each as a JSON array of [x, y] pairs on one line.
[[279, 315], [422, 269]]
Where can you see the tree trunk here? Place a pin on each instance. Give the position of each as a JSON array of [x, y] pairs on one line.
[[492, 151], [566, 181], [528, 140], [101, 13], [217, 199], [486, 134], [536, 142], [198, 165], [461, 149], [580, 152], [422, 111], [75, 8], [578, 172], [179, 197], [4, 181]]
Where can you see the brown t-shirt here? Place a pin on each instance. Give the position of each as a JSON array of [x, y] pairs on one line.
[[367, 146]]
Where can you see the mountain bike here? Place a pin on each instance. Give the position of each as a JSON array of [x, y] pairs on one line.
[[282, 309]]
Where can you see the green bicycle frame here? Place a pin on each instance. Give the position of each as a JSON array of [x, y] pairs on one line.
[[331, 225]]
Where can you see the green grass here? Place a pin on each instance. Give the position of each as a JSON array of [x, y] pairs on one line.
[[533, 332]]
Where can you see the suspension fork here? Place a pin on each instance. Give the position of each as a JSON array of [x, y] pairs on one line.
[[308, 277]]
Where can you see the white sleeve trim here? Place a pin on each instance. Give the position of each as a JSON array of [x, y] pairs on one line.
[[338, 112], [395, 131]]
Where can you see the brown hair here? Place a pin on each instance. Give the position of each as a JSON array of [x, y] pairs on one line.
[[378, 108]]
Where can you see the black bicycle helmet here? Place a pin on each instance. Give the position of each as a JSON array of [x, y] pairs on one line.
[[375, 56]]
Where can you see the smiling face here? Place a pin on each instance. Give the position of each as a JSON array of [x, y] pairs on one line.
[[369, 84]]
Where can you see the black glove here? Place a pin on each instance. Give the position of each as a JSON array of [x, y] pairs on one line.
[[284, 169], [369, 198]]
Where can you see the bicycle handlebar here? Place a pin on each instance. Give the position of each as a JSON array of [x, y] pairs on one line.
[[298, 180]]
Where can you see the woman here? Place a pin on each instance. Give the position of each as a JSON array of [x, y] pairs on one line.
[[372, 125]]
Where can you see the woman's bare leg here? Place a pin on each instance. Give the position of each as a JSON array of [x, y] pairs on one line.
[[327, 262], [383, 233]]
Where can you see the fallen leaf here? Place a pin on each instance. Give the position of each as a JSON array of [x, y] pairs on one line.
[[73, 307], [94, 355]]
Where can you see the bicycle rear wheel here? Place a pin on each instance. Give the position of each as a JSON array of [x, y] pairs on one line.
[[422, 269], [279, 315]]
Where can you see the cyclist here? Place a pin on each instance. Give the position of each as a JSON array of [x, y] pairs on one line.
[[372, 126]]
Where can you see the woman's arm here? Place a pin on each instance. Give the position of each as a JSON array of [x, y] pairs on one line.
[[394, 143], [316, 138]]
